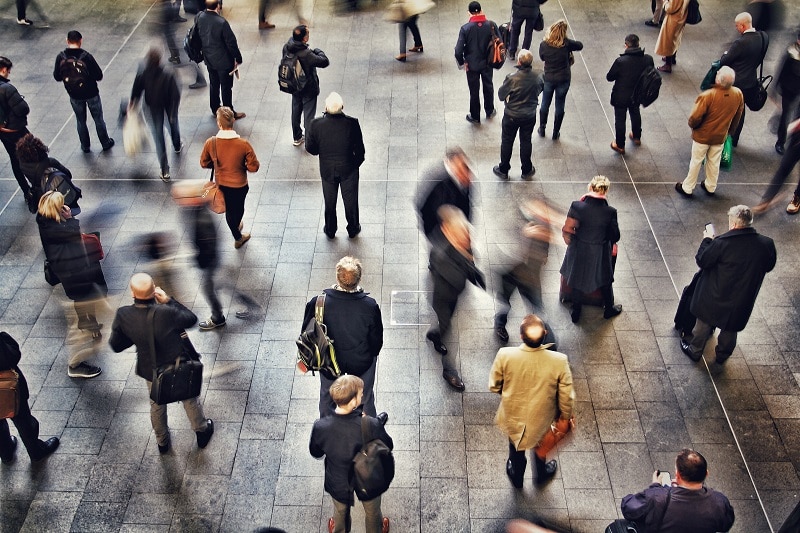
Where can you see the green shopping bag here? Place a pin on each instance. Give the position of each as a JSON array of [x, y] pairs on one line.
[[726, 160]]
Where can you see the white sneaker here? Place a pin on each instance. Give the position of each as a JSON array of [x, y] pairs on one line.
[[298, 142], [24, 22]]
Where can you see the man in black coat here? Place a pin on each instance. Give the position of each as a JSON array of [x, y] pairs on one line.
[[304, 102], [744, 56], [221, 54], [27, 426], [155, 314], [80, 73], [526, 11], [472, 53], [625, 74], [520, 93], [451, 264], [14, 111], [353, 321], [451, 186], [733, 266], [337, 140]]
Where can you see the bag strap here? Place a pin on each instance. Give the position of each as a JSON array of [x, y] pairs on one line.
[[319, 311], [151, 333], [763, 54], [664, 512], [214, 156], [364, 432]]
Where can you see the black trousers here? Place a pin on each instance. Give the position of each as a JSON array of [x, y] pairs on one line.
[[444, 301], [234, 207], [476, 79], [511, 281], [28, 428], [330, 192], [790, 158], [210, 293], [9, 139], [620, 117], [750, 94], [220, 83], [509, 133]]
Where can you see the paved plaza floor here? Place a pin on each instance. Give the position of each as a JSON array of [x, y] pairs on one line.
[[640, 400]]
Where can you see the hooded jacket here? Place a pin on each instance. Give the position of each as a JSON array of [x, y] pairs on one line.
[[625, 74], [309, 60]]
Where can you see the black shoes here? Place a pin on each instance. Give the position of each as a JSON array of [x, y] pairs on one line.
[[703, 186], [329, 234], [438, 344], [516, 480], [383, 417], [353, 234], [528, 176], [544, 470], [679, 188], [473, 120], [652, 24], [499, 173], [453, 379], [611, 312], [110, 145], [164, 448], [10, 457], [779, 148], [492, 114], [204, 436], [501, 333], [685, 348], [49, 446], [575, 315]]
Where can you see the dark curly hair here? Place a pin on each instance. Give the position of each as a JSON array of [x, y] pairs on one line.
[[31, 149]]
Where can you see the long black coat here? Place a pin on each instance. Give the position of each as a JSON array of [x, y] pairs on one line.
[[588, 264], [744, 56], [733, 267], [625, 72], [220, 48], [337, 140]]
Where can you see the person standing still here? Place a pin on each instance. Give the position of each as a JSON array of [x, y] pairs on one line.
[[304, 102], [14, 127], [471, 55], [221, 54], [625, 72]]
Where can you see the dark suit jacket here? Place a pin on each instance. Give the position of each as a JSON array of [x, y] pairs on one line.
[[338, 142], [220, 48], [9, 360], [444, 191], [625, 72], [733, 267], [130, 327], [744, 56]]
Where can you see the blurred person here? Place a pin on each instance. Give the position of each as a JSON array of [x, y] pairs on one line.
[[768, 15], [81, 274], [658, 14], [163, 97], [80, 73], [732, 268], [339, 439], [473, 41], [412, 9], [221, 55], [450, 184], [26, 424], [156, 318], [520, 95], [556, 51], [591, 231], [537, 399], [353, 320], [167, 13], [22, 18], [715, 115], [625, 73], [523, 526], [787, 84], [337, 140], [263, 23], [744, 56], [687, 504], [452, 264], [671, 34], [36, 164], [231, 157], [15, 109], [526, 11], [789, 160], [304, 102]]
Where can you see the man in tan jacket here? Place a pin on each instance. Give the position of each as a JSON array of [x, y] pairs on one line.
[[716, 113], [537, 400]]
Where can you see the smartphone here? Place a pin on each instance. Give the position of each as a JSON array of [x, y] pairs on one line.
[[664, 478], [710, 229]]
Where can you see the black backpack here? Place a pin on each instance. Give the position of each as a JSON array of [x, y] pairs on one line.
[[647, 87], [373, 466], [55, 180], [314, 348], [192, 44], [74, 72], [291, 77]]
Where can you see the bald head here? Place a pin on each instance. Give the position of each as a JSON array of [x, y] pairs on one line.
[[142, 286], [743, 21], [532, 331]]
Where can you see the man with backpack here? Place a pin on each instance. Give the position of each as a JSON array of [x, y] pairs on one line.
[[340, 437], [13, 123], [472, 54], [625, 73], [80, 73], [301, 60]]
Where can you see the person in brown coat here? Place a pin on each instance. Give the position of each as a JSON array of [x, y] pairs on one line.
[[232, 158], [535, 385], [716, 113], [669, 38]]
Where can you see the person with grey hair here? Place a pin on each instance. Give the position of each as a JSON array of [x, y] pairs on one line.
[[353, 322], [520, 94], [715, 115], [732, 267], [337, 140]]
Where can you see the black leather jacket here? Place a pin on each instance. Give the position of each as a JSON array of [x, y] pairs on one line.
[[520, 92]]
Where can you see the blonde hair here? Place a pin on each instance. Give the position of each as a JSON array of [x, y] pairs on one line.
[[345, 388], [50, 205], [225, 118], [599, 185], [348, 273], [556, 34]]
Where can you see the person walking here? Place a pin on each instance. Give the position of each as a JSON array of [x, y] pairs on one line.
[[669, 38], [80, 73], [471, 55], [787, 83], [159, 321], [337, 140], [304, 102], [716, 113], [556, 51], [163, 97], [263, 23], [221, 54], [790, 158], [411, 10], [450, 184], [231, 158], [536, 401], [520, 94], [625, 72], [13, 123]]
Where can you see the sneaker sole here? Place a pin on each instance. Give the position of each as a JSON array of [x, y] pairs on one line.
[[85, 376]]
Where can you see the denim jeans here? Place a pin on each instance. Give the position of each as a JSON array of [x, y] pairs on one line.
[[157, 126], [96, 109], [560, 89], [305, 106], [372, 516], [410, 24]]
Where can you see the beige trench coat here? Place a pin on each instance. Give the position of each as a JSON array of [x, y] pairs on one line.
[[536, 388], [669, 38]]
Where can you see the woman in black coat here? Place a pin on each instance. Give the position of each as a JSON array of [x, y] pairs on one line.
[[556, 52], [591, 232], [35, 162]]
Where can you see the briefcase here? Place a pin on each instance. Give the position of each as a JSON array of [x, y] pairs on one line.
[[177, 381], [9, 393]]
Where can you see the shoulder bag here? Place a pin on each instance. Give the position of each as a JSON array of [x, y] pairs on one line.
[[176, 381], [9, 393], [763, 81], [211, 192], [373, 466]]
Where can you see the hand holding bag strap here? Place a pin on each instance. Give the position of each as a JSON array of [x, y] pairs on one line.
[[319, 311]]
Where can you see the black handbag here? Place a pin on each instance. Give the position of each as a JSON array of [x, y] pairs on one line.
[[763, 82], [178, 381], [49, 274]]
